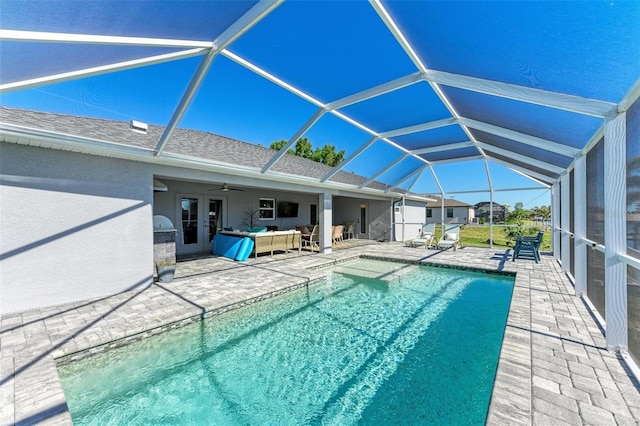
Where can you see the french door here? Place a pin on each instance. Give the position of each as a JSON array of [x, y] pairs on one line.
[[199, 219]]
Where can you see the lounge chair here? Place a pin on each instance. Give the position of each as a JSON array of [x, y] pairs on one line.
[[313, 239], [426, 237], [450, 238], [528, 247]]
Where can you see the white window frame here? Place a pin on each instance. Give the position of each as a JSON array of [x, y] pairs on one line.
[[264, 211]]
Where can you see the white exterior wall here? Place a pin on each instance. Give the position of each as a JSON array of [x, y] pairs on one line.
[[414, 215], [73, 227], [461, 215]]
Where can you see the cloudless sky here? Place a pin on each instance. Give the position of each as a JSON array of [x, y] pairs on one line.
[[329, 50]]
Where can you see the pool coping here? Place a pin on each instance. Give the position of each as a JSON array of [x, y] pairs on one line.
[[30, 390]]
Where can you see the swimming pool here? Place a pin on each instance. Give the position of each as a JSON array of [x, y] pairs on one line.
[[376, 343]]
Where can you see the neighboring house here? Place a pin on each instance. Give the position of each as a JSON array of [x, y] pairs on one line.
[[79, 195], [483, 208], [454, 211]]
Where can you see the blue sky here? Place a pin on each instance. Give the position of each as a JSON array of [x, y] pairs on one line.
[[313, 46]]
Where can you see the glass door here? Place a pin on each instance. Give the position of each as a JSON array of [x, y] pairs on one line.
[[190, 224], [214, 221], [200, 220]]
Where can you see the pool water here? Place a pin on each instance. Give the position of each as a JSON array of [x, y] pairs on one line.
[[377, 343]]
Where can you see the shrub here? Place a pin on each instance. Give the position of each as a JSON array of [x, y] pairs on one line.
[[518, 230]]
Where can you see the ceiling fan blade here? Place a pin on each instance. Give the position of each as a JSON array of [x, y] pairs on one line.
[[224, 188]]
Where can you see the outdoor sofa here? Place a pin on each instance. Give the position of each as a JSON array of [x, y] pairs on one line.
[[270, 241]]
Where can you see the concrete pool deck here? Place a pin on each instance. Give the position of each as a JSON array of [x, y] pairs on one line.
[[553, 366]]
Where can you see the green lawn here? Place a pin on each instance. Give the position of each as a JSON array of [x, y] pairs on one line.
[[478, 236]]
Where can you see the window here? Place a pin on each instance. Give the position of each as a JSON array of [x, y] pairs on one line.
[[449, 211], [429, 212], [267, 210]]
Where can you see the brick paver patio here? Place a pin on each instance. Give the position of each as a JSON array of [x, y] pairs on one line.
[[553, 367]]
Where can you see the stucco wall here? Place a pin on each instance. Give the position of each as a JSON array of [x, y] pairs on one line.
[[414, 217], [72, 227], [378, 216], [347, 209]]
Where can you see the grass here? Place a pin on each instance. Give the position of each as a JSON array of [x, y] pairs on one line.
[[478, 236]]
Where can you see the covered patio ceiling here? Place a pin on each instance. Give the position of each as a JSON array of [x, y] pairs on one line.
[[402, 86]]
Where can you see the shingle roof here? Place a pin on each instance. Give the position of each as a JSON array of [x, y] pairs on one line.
[[448, 202], [189, 142]]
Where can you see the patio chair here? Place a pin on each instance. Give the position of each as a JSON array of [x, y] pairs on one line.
[[349, 229], [450, 238], [426, 237], [336, 233], [527, 247], [313, 239], [304, 230]]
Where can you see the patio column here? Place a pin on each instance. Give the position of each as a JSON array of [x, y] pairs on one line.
[[555, 221], [565, 254], [325, 221], [580, 224], [615, 234]]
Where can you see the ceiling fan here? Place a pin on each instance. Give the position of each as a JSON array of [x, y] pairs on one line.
[[225, 188]]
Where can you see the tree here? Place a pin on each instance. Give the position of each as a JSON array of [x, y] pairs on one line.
[[517, 224], [518, 215], [328, 155], [304, 148], [542, 212], [278, 145], [325, 155]]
